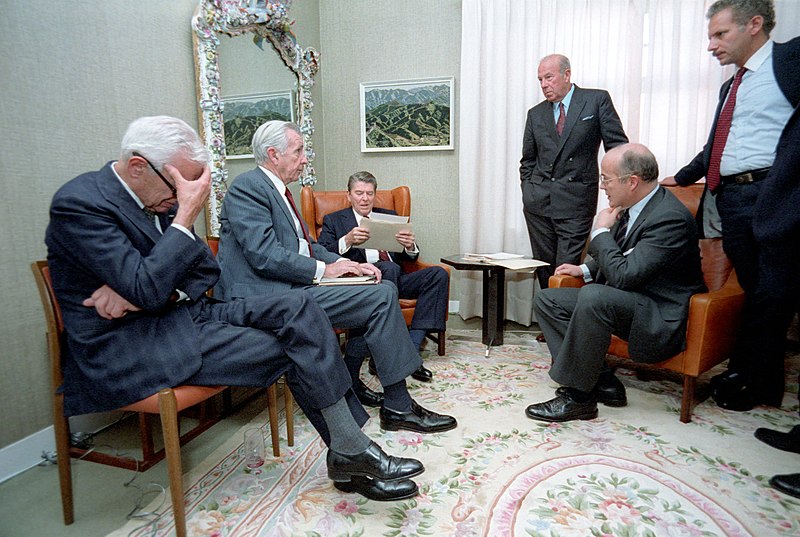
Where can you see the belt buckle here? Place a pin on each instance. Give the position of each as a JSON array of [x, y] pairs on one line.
[[744, 178]]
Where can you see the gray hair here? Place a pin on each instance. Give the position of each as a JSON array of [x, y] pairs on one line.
[[744, 10], [272, 134], [563, 62], [361, 177], [638, 160], [160, 139]]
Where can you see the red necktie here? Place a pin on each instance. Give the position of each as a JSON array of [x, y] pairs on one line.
[[383, 255], [562, 118], [300, 220], [721, 133]]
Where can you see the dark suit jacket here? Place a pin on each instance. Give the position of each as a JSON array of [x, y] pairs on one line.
[[260, 253], [661, 269], [338, 224], [563, 171], [777, 213], [98, 235], [786, 65]]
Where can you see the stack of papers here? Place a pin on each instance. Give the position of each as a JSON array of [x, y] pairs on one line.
[[382, 229], [506, 260], [348, 280]]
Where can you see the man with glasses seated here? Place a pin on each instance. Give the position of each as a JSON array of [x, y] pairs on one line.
[[644, 268], [131, 279]]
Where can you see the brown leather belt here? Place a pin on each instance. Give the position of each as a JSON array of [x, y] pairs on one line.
[[745, 178]]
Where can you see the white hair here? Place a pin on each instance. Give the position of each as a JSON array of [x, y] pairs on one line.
[[160, 138], [272, 134]]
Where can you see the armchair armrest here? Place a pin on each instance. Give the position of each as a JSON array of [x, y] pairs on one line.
[[564, 280]]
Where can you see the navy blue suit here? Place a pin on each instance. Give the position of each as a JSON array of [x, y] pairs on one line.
[[429, 286], [99, 236]]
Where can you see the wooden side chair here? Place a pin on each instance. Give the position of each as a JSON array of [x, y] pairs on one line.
[[316, 204], [272, 393], [714, 316]]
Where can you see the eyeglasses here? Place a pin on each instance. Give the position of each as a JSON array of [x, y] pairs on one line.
[[158, 173], [604, 181]]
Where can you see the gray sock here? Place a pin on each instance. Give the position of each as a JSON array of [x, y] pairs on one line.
[[347, 437]]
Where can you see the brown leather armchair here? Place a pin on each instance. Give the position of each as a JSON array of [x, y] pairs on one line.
[[714, 316], [316, 204]]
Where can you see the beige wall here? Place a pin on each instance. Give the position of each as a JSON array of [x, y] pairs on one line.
[[76, 73]]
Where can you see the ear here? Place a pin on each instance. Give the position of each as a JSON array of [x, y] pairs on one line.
[[136, 166], [272, 153], [756, 24]]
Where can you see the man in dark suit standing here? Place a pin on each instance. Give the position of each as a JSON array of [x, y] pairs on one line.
[[265, 250], [753, 109], [341, 233], [645, 260], [558, 169], [131, 277]]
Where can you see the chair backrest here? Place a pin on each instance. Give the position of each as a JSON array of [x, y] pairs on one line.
[[213, 244], [315, 204], [715, 264], [52, 314]]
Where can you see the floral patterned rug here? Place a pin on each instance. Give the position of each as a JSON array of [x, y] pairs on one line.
[[634, 471]]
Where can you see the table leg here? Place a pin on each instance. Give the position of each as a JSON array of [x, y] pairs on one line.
[[494, 307]]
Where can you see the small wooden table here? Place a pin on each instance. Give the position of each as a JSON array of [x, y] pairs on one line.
[[494, 297]]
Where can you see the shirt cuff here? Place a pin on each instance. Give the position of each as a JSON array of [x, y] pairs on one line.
[[320, 271], [183, 229], [587, 276], [343, 246], [598, 231]]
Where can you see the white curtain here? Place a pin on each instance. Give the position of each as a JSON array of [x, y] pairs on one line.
[[649, 54]]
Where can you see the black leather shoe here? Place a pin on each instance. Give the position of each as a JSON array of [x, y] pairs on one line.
[[784, 441], [418, 419], [423, 374], [371, 367], [610, 391], [366, 396], [787, 483], [727, 381], [562, 408], [372, 462], [742, 399], [380, 491]]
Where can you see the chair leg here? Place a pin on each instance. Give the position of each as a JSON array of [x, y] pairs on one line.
[[441, 340], [61, 426], [288, 402], [146, 438], [272, 407], [168, 408], [687, 399]]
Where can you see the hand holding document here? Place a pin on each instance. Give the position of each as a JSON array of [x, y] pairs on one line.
[[506, 260], [382, 229]]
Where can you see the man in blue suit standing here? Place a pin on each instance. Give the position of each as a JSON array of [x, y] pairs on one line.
[[265, 250], [341, 233], [558, 170], [131, 279]]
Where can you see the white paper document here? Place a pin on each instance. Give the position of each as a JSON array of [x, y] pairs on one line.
[[349, 280], [491, 257], [506, 260], [382, 229]]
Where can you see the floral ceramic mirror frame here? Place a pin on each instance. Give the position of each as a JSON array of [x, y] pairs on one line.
[[267, 20]]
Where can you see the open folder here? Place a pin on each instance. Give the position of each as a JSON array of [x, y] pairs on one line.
[[506, 260], [382, 229], [349, 280]]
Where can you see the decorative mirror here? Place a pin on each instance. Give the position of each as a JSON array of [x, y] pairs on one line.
[[269, 23]]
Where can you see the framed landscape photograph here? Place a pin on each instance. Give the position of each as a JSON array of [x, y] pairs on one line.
[[407, 115], [243, 114]]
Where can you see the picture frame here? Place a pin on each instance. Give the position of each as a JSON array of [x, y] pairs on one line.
[[407, 115], [243, 114]]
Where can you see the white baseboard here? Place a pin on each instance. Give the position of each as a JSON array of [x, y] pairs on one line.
[[453, 306], [26, 453]]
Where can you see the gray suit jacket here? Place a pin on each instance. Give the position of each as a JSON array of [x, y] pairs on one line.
[[560, 174], [259, 247], [659, 263]]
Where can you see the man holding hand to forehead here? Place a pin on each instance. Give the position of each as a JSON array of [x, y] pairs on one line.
[[644, 268]]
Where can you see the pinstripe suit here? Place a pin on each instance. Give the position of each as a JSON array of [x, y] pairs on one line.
[[99, 236]]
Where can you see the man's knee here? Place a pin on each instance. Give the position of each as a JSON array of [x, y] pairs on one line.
[[543, 300]]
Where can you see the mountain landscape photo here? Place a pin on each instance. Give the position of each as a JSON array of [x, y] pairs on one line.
[[407, 116], [241, 118]]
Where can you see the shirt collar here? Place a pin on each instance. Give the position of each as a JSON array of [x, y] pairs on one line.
[[275, 180], [760, 56], [567, 98], [636, 208]]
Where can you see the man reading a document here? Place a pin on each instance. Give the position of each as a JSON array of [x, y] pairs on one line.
[[342, 232], [265, 249]]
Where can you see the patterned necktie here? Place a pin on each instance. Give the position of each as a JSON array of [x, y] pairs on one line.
[[383, 255], [299, 220], [622, 227], [721, 133], [562, 118]]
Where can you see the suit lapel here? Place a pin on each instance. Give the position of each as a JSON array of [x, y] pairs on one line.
[[576, 107], [278, 200], [640, 220], [115, 194]]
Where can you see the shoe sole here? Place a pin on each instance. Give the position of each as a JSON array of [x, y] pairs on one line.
[[341, 485], [569, 418], [345, 477], [392, 427], [614, 402]]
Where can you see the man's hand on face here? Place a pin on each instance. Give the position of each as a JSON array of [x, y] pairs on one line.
[[607, 217], [192, 195], [109, 304]]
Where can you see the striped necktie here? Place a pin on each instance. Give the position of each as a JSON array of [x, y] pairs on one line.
[[721, 133]]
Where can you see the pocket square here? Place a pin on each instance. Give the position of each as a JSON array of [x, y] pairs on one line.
[[587, 117]]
